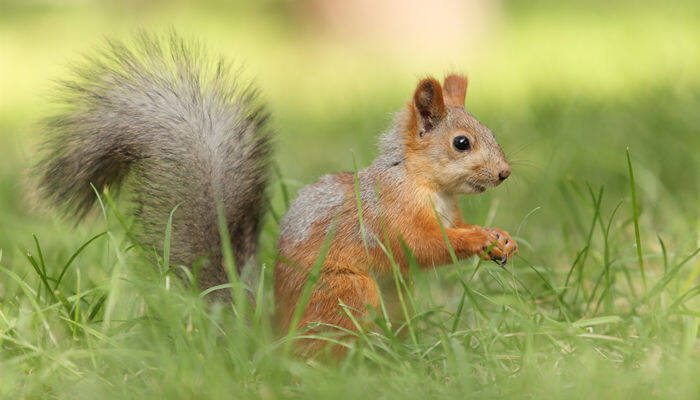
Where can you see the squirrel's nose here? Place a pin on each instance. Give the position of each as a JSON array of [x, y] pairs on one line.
[[504, 174]]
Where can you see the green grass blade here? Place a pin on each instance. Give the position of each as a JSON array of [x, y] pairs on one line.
[[283, 186], [667, 278], [309, 286], [74, 255], [241, 303], [166, 241], [635, 216]]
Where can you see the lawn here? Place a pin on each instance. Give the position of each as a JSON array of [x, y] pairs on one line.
[[597, 108]]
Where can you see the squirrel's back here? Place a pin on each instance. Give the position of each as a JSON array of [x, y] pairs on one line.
[[180, 129]]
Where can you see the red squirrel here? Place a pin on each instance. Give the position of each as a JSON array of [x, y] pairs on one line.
[[434, 151]]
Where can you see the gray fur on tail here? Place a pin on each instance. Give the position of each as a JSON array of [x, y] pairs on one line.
[[179, 130]]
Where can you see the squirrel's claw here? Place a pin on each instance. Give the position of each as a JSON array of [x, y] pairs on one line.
[[502, 261], [502, 246]]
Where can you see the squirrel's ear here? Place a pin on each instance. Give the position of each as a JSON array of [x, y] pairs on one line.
[[455, 89], [429, 104]]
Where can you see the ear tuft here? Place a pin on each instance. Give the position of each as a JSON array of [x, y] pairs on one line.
[[429, 103], [455, 89]]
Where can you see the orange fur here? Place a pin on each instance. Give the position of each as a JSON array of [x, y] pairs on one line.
[[455, 89], [346, 271]]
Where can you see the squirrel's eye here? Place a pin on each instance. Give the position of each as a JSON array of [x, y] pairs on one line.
[[461, 143]]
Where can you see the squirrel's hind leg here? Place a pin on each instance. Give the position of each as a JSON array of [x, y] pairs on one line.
[[337, 294]]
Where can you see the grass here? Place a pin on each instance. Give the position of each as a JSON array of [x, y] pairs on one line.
[[602, 302], [519, 332]]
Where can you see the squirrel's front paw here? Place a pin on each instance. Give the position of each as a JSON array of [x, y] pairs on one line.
[[502, 246]]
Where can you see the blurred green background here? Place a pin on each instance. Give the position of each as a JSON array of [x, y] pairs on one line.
[[566, 86]]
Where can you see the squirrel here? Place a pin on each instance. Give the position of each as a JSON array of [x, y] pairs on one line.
[[183, 132]]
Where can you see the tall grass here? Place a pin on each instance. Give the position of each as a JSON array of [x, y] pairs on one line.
[[521, 331]]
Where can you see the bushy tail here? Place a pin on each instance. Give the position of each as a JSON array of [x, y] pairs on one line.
[[180, 130]]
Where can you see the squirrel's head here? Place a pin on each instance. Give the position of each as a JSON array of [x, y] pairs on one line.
[[446, 147]]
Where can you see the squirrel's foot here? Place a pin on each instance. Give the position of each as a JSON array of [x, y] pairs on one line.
[[499, 246]]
